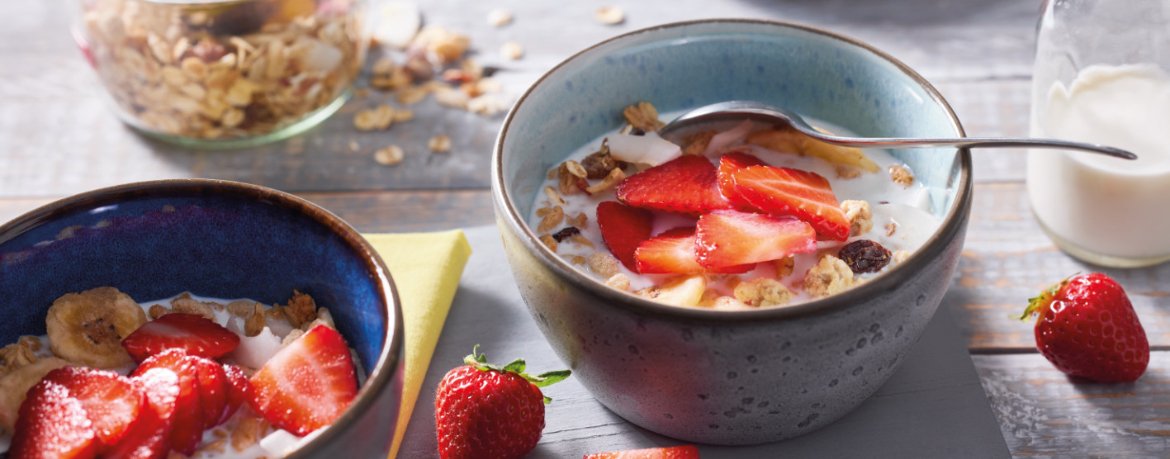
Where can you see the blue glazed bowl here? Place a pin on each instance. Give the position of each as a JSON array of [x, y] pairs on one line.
[[154, 240], [717, 376]]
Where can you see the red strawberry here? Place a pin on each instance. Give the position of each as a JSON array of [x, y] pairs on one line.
[[685, 185], [728, 238], [213, 390], [194, 334], [673, 251], [51, 424], [151, 436], [1088, 328], [673, 452], [111, 400], [187, 428], [239, 391], [308, 384], [483, 411], [729, 164], [804, 195], [623, 228]]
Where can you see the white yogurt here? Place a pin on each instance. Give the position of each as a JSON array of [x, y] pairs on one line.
[[906, 207], [1093, 204]]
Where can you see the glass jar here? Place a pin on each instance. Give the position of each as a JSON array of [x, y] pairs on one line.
[[214, 73], [1100, 76]]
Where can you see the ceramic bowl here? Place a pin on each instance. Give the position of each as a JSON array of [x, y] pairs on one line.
[[716, 376], [220, 239]]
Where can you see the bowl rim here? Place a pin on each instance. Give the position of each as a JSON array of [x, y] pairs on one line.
[[379, 377], [951, 225]]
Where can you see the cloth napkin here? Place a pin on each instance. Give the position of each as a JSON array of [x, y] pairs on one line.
[[426, 268]]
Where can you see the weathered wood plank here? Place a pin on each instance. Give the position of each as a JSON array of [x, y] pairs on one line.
[[1045, 414]]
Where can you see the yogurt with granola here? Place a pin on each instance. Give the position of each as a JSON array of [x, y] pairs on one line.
[[202, 376], [739, 216]]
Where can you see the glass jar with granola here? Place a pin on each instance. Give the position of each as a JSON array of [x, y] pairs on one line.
[[223, 73]]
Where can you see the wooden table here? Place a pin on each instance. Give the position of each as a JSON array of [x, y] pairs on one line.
[[57, 138]]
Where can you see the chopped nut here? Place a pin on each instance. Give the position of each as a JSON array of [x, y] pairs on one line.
[[157, 311], [440, 143], [499, 17], [615, 176], [784, 266], [292, 336], [301, 309], [643, 116], [610, 15], [848, 172], [552, 220], [859, 216], [891, 228], [901, 176], [619, 281], [828, 277], [192, 306], [389, 156], [581, 240], [376, 118], [604, 264], [246, 434], [553, 196], [864, 256], [899, 256], [762, 292], [255, 323], [549, 242], [578, 260], [512, 50]]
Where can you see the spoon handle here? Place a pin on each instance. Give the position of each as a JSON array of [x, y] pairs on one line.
[[969, 142]]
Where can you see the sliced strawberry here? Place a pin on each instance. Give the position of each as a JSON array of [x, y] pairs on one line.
[[673, 251], [686, 185], [672, 452], [729, 164], [111, 400], [239, 391], [187, 428], [51, 424], [728, 238], [308, 384], [623, 228], [213, 390], [804, 195], [151, 436], [194, 334]]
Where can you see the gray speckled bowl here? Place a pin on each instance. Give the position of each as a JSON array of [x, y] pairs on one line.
[[729, 377]]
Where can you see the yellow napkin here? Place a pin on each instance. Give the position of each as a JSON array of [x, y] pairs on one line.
[[426, 268]]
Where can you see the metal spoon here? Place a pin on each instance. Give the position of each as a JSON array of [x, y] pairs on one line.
[[740, 109]]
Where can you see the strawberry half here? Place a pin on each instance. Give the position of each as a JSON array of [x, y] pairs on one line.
[[213, 390], [187, 428], [804, 195], [111, 400], [308, 384], [51, 424], [728, 238], [672, 452], [196, 335], [673, 251], [623, 228], [729, 164], [239, 391], [686, 185], [151, 437]]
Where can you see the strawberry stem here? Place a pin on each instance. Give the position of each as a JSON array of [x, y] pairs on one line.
[[479, 361], [1037, 304]]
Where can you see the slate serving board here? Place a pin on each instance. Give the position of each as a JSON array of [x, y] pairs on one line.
[[934, 406]]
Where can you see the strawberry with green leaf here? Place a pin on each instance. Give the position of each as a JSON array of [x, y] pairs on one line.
[[491, 412]]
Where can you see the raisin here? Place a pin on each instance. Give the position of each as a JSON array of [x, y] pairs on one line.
[[598, 165], [571, 231], [864, 256]]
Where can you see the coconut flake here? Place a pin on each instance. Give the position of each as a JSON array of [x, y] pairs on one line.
[[255, 351], [727, 138], [645, 149]]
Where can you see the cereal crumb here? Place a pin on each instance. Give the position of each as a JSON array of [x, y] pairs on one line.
[[859, 216], [246, 434], [255, 323], [697, 142], [389, 156], [619, 281], [828, 277], [241, 308], [901, 176], [578, 260], [615, 176], [847, 172], [301, 309], [157, 311], [403, 115], [891, 228], [610, 15], [604, 264], [33, 343], [553, 196], [378, 118], [549, 242], [762, 292], [292, 336], [218, 446], [899, 256], [452, 97], [579, 239], [552, 220], [784, 266], [512, 50], [354, 146], [440, 143], [499, 17], [644, 116], [191, 306]]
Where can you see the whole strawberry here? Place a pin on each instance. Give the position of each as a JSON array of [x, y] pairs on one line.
[[1087, 328], [485, 411]]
